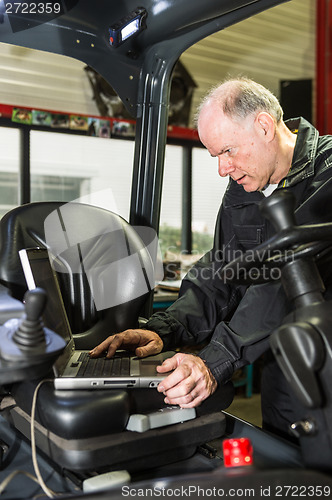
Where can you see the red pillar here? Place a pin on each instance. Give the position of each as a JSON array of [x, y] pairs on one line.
[[324, 66]]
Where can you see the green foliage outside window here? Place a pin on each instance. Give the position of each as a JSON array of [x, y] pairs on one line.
[[170, 241]]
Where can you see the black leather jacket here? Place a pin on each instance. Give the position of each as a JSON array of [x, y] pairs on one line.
[[236, 320]]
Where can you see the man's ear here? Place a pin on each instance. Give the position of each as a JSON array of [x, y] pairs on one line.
[[265, 125]]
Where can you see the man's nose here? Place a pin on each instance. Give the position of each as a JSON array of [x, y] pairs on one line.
[[225, 167]]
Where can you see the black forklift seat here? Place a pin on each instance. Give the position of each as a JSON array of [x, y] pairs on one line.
[[86, 238]]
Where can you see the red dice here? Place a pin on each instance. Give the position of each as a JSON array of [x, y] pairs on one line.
[[237, 452]]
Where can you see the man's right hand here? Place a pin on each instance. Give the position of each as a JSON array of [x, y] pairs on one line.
[[143, 342]]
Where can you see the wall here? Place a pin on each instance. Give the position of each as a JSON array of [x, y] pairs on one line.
[[42, 80], [278, 44]]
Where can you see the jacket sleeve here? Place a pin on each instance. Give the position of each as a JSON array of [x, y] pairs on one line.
[[246, 336], [206, 304], [204, 300]]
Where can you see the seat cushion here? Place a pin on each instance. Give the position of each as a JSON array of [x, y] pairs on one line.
[[75, 414]]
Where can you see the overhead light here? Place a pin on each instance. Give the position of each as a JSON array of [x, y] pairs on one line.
[[127, 27]]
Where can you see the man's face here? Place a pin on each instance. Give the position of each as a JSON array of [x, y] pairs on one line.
[[241, 148]]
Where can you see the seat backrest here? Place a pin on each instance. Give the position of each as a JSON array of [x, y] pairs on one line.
[[105, 270]]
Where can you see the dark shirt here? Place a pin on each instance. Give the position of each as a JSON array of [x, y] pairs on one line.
[[235, 320]]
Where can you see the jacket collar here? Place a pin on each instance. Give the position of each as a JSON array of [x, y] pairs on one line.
[[304, 151], [235, 195]]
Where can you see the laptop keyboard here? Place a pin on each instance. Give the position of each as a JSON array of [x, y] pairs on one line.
[[103, 367]]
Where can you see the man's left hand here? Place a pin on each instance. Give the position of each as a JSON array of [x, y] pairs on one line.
[[189, 384]]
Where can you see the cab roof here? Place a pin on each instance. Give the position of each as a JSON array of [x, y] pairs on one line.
[[83, 29]]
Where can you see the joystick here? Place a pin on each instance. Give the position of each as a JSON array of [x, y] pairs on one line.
[[279, 210], [30, 333], [27, 348]]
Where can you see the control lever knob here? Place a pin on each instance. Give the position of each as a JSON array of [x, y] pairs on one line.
[[303, 428], [279, 209], [27, 348], [34, 304], [30, 333]]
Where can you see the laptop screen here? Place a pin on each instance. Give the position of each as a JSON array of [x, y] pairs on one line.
[[39, 273]]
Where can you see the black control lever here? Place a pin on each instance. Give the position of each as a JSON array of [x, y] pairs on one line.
[[279, 210], [30, 333], [27, 349], [300, 352]]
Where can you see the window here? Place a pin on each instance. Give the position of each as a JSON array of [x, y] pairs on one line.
[[208, 189], [9, 168], [171, 206], [66, 167], [52, 187]]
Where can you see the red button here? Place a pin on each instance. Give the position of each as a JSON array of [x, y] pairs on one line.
[[237, 452]]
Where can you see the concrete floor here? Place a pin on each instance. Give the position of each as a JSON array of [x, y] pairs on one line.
[[248, 409]]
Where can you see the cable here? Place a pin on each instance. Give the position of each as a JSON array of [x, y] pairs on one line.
[[5, 482], [3, 485], [46, 490], [11, 476]]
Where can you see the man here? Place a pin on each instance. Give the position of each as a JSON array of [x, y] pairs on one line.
[[241, 124]]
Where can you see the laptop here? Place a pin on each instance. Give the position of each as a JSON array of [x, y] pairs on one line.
[[74, 369]]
